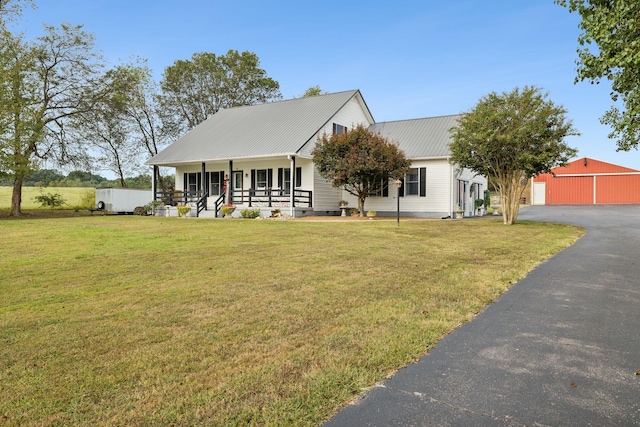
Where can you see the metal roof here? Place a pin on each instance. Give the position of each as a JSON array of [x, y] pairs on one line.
[[420, 138], [265, 130]]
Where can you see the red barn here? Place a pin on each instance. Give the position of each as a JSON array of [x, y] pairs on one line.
[[585, 182]]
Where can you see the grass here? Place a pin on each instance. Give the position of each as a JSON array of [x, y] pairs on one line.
[[74, 196], [126, 320]]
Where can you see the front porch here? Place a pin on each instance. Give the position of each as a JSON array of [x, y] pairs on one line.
[[266, 200]]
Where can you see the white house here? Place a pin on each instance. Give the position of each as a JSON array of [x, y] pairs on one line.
[[253, 156]]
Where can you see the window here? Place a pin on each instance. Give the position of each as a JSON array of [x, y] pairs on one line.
[[284, 179], [192, 182], [216, 183], [261, 178], [415, 183], [339, 129], [383, 190], [412, 182]]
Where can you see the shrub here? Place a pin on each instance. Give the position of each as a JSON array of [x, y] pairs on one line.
[[50, 200], [250, 213], [355, 212], [371, 213], [183, 210]]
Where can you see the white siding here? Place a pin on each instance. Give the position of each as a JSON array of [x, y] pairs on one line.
[[325, 196], [350, 116]]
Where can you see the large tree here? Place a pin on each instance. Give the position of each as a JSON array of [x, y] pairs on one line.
[[193, 90], [610, 49], [359, 161], [511, 137], [43, 84]]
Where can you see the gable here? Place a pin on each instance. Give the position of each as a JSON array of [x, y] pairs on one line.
[[585, 166]]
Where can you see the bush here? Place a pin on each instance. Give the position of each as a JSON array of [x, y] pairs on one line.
[[50, 200], [355, 211], [250, 213]]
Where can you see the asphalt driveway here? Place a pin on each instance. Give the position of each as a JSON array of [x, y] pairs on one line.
[[560, 348]]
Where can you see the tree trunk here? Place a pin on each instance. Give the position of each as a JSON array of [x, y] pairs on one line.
[[361, 205], [16, 197]]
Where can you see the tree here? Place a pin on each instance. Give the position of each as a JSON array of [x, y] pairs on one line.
[[43, 84], [313, 91], [360, 161], [612, 28], [193, 90], [511, 137]]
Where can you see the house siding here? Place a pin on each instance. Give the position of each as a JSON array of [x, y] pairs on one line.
[[350, 116], [325, 196]]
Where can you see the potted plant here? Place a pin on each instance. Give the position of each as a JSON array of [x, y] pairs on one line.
[[183, 210], [479, 203], [227, 210]]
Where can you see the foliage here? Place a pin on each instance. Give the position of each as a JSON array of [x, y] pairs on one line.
[[359, 161], [152, 206], [371, 213], [50, 200], [313, 91], [227, 209], [43, 85], [611, 28], [250, 213], [193, 90], [275, 213], [183, 210], [511, 137], [487, 199], [219, 333], [478, 203]]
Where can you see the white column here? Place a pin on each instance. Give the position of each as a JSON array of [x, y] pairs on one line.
[[292, 184]]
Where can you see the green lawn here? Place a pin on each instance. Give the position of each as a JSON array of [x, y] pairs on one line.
[[127, 320], [74, 196]]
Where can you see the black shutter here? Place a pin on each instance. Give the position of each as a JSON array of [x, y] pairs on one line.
[[207, 183], [423, 182], [401, 189], [298, 177], [253, 179], [280, 176], [184, 181], [269, 178], [385, 188]]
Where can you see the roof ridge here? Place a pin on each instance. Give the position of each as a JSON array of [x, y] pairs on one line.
[[281, 101], [418, 118]]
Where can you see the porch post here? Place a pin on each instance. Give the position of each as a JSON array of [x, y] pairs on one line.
[[292, 175], [229, 183], [203, 185]]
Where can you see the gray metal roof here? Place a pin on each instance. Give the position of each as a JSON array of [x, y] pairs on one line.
[[420, 138], [271, 129]]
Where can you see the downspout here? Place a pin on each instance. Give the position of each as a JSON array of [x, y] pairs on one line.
[[450, 189], [154, 183], [292, 175]]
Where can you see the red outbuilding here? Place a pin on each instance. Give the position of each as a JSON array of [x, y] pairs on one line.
[[586, 182]]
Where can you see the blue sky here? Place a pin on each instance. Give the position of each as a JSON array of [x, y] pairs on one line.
[[410, 59]]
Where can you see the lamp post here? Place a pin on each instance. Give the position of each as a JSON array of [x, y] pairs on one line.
[[398, 185]]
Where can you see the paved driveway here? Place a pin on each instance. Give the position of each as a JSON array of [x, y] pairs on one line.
[[560, 348]]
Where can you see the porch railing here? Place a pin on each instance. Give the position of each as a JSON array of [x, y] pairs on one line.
[[174, 198], [218, 204], [271, 198], [201, 204]]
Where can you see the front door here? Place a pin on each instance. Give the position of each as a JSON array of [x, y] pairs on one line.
[[236, 187]]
